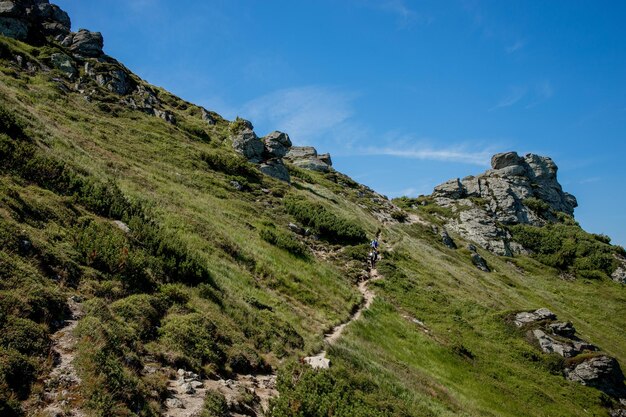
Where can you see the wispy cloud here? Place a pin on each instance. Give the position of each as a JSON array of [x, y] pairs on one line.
[[406, 15], [516, 93], [304, 112], [519, 44], [542, 92], [466, 154]]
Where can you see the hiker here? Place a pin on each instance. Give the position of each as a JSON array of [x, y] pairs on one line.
[[374, 244], [373, 257]]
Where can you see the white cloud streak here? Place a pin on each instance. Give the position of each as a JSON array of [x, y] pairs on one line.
[[515, 47], [515, 95], [460, 154]]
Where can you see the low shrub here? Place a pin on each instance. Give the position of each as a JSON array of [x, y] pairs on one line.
[[399, 216], [25, 336], [284, 241], [231, 164], [329, 225], [215, 405], [16, 375]]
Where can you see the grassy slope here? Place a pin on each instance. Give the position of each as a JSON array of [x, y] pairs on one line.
[[469, 363]]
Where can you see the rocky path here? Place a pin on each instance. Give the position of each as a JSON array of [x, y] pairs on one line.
[[249, 395], [320, 361], [61, 388]]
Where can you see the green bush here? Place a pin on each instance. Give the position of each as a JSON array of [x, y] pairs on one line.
[[231, 164], [284, 241], [25, 336], [17, 372], [194, 338], [329, 225], [399, 216], [215, 405], [568, 248], [10, 125], [141, 312], [540, 207]]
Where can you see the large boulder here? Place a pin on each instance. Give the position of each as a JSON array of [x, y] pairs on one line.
[[85, 43], [277, 144], [601, 372], [276, 169], [306, 157], [248, 144]]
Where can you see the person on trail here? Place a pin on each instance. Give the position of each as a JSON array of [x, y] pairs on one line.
[[373, 255]]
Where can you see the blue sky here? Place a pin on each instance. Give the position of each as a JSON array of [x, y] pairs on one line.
[[404, 94]]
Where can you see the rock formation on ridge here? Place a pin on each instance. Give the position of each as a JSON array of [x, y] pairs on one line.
[[516, 190]]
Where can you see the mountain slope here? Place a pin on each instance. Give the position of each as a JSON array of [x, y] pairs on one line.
[[130, 208]]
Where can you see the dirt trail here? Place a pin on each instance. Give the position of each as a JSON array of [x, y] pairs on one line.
[[188, 391], [61, 388], [320, 361]]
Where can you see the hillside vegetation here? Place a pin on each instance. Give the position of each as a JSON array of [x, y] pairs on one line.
[[137, 219]]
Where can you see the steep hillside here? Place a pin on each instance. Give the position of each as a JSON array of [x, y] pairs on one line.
[[157, 259]]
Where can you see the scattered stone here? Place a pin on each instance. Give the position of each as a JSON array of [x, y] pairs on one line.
[[601, 372], [187, 388], [550, 345], [471, 248], [174, 403], [563, 329], [447, 240], [318, 362], [25, 245], [236, 185], [480, 262], [122, 226], [526, 317], [207, 116], [64, 64], [165, 115]]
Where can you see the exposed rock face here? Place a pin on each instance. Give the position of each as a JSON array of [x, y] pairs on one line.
[[64, 63], [601, 372], [480, 262], [277, 144], [619, 275], [85, 43], [584, 365], [32, 20], [275, 168], [447, 240], [516, 190], [306, 157], [249, 145]]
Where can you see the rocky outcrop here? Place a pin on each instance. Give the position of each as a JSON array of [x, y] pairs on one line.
[[584, 362], [619, 275], [268, 151], [601, 372], [85, 43], [306, 157], [32, 20], [516, 190], [447, 240]]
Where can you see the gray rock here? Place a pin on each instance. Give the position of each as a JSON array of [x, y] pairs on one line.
[[325, 158], [64, 63], [312, 165], [249, 145], [165, 115], [122, 226], [452, 189], [188, 388], [471, 248], [619, 275], [277, 144], [504, 190], [563, 329], [116, 80], [447, 240], [480, 262], [85, 43], [174, 403], [526, 317], [503, 160], [601, 372], [301, 152], [236, 185], [14, 28], [276, 169], [296, 229], [207, 117], [318, 362], [551, 345]]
